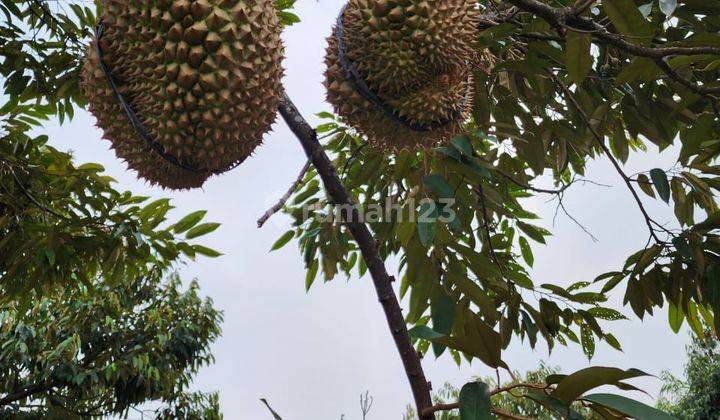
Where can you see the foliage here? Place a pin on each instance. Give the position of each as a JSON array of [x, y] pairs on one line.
[[92, 322], [65, 225], [512, 404], [42, 53], [698, 395], [560, 84], [88, 327], [100, 350], [469, 275]]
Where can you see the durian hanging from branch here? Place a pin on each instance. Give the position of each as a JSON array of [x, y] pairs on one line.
[[399, 71], [184, 89]]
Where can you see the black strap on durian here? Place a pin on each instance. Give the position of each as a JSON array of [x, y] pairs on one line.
[[361, 87], [135, 121]]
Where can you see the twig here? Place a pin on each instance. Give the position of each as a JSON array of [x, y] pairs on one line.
[[515, 386], [582, 7], [486, 226], [530, 187], [507, 415], [281, 203], [561, 206], [456, 405], [608, 153], [368, 247], [27, 194], [352, 158], [441, 407], [695, 88]]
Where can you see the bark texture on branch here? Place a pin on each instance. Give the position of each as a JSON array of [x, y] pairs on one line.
[[376, 266]]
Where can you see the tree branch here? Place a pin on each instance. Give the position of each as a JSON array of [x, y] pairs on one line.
[[24, 393], [601, 143], [530, 187], [454, 406], [674, 75], [368, 247], [281, 203], [488, 233], [566, 17], [507, 415], [581, 7]]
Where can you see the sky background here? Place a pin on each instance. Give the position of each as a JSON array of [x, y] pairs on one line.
[[311, 355]]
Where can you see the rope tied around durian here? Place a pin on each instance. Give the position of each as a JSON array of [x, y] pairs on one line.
[[135, 121], [358, 83]]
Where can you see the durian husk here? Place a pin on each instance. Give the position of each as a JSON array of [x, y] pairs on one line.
[[202, 76], [417, 57], [443, 97], [399, 44]]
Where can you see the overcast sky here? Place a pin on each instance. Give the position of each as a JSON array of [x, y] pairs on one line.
[[312, 354]]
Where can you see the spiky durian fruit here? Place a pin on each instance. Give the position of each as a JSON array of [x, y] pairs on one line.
[[415, 56], [202, 76]]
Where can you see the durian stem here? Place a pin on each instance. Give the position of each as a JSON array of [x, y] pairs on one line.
[[368, 246]]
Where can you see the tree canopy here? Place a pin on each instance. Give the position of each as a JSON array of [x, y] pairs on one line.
[[93, 319], [697, 394]]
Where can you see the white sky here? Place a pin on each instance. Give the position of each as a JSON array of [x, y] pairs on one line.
[[313, 354]]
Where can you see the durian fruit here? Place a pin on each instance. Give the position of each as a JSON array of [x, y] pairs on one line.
[[416, 56], [202, 77]]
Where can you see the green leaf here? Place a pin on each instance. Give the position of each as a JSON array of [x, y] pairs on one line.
[[438, 186], [283, 240], [427, 218], [711, 223], [628, 407], [620, 144], [475, 402], [713, 286], [208, 252], [573, 386], [628, 20], [676, 317], [554, 404], [93, 167], [534, 232], [442, 313], [660, 181], [311, 274], [189, 221], [587, 341], [645, 185], [201, 230], [578, 59], [526, 251], [425, 333], [606, 313], [463, 145]]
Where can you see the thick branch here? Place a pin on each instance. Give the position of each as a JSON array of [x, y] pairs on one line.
[[376, 266], [567, 17]]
